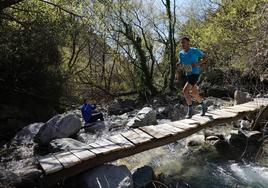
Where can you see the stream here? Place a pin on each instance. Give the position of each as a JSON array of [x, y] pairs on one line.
[[179, 165]]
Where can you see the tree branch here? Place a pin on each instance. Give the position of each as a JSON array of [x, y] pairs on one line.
[[7, 3], [61, 8]]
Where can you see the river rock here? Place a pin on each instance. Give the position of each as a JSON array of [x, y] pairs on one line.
[[178, 112], [9, 179], [60, 126], [143, 176], [107, 176], [236, 139], [86, 137], [241, 97], [27, 134], [245, 124], [239, 144], [264, 78], [163, 112], [212, 138], [118, 121], [222, 147], [66, 144], [252, 135], [146, 116], [195, 140]]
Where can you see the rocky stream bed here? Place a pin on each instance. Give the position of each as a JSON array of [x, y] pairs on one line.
[[222, 156]]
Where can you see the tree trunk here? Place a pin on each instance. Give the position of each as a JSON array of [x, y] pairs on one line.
[[146, 76], [171, 44]]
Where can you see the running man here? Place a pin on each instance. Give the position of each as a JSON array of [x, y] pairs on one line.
[[190, 60]]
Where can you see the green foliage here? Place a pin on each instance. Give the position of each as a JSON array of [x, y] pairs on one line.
[[228, 34]]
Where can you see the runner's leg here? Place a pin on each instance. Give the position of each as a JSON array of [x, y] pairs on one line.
[[186, 93], [195, 94], [188, 98], [199, 99]]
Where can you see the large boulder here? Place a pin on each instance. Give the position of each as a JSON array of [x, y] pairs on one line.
[[119, 107], [60, 126], [222, 147], [146, 116], [237, 139], [66, 144], [27, 134], [143, 176], [178, 112], [106, 176], [239, 144], [241, 97], [218, 91]]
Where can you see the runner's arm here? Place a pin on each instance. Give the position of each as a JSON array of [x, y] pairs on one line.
[[201, 61]]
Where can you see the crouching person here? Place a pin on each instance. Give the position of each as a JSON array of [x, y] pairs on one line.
[[87, 114]]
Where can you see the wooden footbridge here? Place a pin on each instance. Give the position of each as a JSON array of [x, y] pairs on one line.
[[59, 166]]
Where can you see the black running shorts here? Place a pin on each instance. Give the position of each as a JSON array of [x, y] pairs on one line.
[[192, 79]]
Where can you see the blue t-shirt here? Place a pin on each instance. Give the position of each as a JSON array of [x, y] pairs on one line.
[[86, 111], [192, 56]]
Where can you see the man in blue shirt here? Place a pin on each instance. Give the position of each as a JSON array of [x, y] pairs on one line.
[[86, 110], [190, 60]]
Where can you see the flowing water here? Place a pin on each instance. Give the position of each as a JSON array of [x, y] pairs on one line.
[[179, 165]]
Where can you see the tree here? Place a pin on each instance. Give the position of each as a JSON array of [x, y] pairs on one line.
[[171, 45], [123, 23]]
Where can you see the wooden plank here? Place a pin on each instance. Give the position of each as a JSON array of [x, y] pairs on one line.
[[224, 114], [168, 127], [189, 121], [240, 109], [95, 148], [202, 119], [121, 141], [143, 134], [213, 116], [245, 107], [232, 110], [155, 132], [263, 101], [107, 146], [49, 163], [83, 154], [253, 104], [164, 130], [67, 159], [183, 126], [135, 137], [103, 146]]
